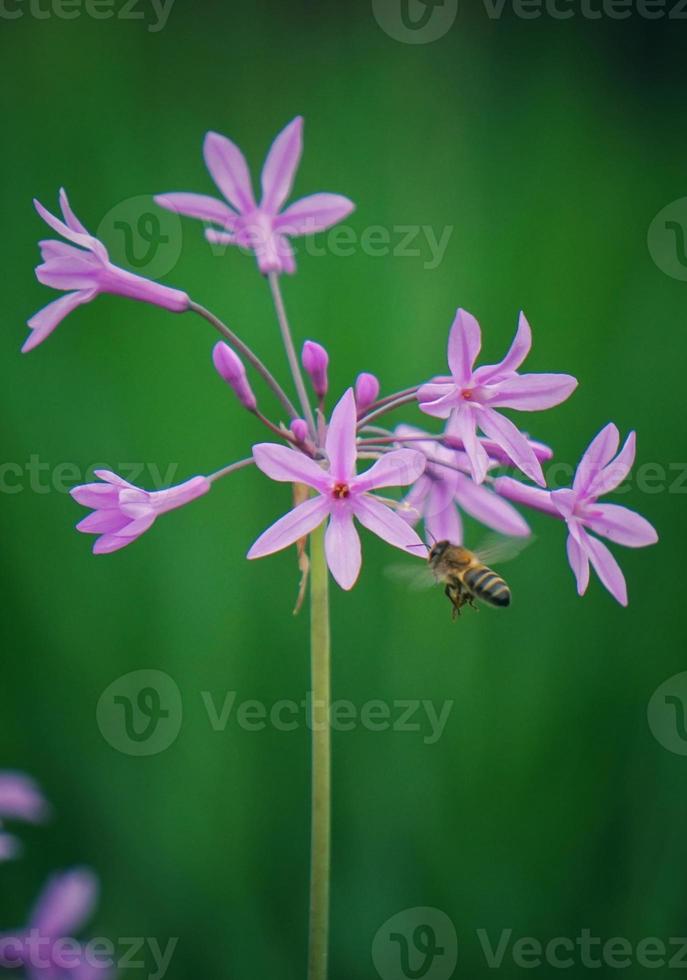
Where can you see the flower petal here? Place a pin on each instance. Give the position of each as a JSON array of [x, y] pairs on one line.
[[280, 166], [607, 568], [519, 349], [72, 272], [200, 206], [513, 442], [442, 520], [395, 469], [598, 454], [531, 392], [463, 424], [115, 479], [46, 320], [413, 505], [103, 522], [229, 170], [488, 508], [385, 523], [579, 562], [520, 493], [438, 400], [313, 213], [21, 798], [115, 540], [78, 238], [288, 466], [464, 345], [288, 529], [97, 495], [342, 547], [65, 904], [340, 443], [621, 525], [69, 216], [612, 475], [220, 237]]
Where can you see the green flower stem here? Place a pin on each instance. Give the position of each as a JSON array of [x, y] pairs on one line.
[[320, 847]]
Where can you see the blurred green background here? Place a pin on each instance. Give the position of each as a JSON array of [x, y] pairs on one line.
[[546, 806]]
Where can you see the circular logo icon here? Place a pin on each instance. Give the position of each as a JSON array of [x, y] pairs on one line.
[[667, 714], [419, 942], [667, 239], [141, 237], [415, 21], [140, 713]]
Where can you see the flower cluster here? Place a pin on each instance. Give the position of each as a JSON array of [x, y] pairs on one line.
[[319, 451], [65, 904]]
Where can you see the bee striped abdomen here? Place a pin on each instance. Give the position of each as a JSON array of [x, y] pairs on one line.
[[487, 586]]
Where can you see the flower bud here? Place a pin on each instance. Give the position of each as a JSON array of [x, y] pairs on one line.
[[299, 427], [366, 391], [230, 367], [315, 360]]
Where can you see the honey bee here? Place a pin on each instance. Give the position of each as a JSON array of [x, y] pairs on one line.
[[466, 577]]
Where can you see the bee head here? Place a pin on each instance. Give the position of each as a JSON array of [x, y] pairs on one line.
[[437, 550]]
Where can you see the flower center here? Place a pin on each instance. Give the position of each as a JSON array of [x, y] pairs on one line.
[[467, 394], [341, 491]]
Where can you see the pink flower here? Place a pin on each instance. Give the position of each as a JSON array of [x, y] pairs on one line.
[[84, 272], [44, 948], [469, 398], [20, 799], [263, 228], [444, 484], [122, 512], [601, 469], [341, 495]]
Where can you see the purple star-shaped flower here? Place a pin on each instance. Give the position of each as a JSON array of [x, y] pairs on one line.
[[44, 948], [342, 494], [601, 469], [20, 799], [84, 270], [443, 485], [262, 228], [123, 512], [470, 397]]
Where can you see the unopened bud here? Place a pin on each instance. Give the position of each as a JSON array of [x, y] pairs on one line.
[[366, 391], [299, 427], [230, 367], [315, 360]]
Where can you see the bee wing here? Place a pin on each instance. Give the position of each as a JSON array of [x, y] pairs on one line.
[[414, 577], [497, 548]]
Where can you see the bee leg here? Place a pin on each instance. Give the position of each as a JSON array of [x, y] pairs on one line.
[[454, 596]]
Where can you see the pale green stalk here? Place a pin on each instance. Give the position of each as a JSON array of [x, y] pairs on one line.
[[320, 846]]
